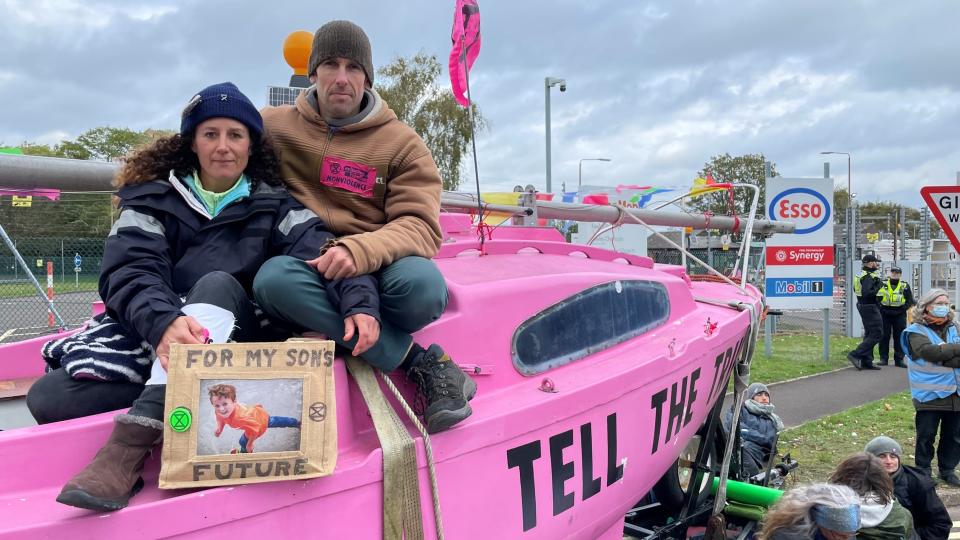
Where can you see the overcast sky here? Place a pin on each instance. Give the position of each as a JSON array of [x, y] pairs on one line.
[[658, 87]]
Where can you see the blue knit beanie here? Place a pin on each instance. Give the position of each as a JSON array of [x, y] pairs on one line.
[[222, 100]]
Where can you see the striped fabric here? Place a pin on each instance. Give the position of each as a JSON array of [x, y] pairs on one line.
[[104, 351]]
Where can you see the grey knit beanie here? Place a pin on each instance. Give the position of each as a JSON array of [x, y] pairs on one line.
[[755, 389], [342, 39], [883, 445]]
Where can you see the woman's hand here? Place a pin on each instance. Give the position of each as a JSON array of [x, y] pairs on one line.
[[184, 329], [367, 329], [335, 263]]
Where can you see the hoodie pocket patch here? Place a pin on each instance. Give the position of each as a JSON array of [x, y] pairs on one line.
[[348, 175]]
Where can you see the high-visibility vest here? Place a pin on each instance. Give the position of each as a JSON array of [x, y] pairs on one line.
[[857, 287], [929, 381], [890, 296]]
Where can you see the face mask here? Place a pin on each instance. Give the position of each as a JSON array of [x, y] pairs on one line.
[[894, 282], [940, 311]]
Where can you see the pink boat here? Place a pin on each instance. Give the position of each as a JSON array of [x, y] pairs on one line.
[[594, 371]]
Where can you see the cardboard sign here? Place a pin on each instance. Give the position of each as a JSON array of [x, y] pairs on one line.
[[240, 413]]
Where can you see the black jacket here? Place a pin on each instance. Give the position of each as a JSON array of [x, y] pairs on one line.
[[914, 490], [160, 246], [758, 434], [869, 287]]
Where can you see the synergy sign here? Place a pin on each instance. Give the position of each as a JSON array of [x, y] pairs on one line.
[[800, 265]]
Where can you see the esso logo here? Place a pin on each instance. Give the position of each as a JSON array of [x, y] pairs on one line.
[[808, 208]]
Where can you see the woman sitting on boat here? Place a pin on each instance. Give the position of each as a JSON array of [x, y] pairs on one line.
[[931, 346], [759, 427], [200, 213], [881, 516], [814, 512]]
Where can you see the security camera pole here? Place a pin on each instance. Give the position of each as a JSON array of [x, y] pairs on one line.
[[547, 83]]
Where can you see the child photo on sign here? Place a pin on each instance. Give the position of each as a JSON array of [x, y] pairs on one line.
[[243, 416]]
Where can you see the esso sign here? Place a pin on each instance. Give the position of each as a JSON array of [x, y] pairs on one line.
[[804, 206]]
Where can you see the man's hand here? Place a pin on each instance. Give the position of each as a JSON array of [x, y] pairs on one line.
[[217, 432], [367, 329], [335, 263], [183, 329]]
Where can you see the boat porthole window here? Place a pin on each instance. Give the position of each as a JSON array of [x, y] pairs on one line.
[[587, 322]]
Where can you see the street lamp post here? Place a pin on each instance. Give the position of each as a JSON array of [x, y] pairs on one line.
[[851, 246], [580, 169], [549, 82]]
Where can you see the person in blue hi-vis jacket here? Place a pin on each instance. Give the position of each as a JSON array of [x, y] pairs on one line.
[[932, 348]]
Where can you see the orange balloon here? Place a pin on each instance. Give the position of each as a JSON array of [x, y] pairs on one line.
[[296, 51]]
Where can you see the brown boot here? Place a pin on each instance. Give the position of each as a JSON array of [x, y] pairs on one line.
[[108, 482]]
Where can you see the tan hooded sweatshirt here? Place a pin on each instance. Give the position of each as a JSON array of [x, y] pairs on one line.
[[374, 182]]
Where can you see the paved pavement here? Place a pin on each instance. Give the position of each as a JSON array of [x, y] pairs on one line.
[[819, 395], [801, 400], [26, 317]]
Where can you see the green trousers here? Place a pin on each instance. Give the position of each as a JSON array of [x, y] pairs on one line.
[[413, 294]]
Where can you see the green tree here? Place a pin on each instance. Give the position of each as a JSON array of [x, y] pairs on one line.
[[106, 143], [746, 169], [412, 91], [841, 201], [33, 149]]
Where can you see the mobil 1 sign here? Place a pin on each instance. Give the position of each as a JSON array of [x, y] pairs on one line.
[[800, 265]]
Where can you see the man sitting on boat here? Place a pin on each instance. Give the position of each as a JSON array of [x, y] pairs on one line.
[[379, 191], [200, 213]]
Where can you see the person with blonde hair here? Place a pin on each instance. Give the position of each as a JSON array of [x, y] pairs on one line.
[[817, 511], [931, 347]]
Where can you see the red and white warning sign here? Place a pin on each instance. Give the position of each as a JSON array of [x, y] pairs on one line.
[[944, 203]]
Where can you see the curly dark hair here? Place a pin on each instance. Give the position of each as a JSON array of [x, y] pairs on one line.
[[864, 473], [155, 161]]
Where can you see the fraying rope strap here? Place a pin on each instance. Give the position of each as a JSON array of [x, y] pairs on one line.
[[402, 515]]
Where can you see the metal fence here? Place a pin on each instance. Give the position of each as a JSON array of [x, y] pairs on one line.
[[51, 236], [57, 232]]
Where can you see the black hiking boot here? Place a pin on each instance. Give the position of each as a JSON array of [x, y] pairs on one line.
[[950, 477], [883, 362], [443, 390], [869, 365], [899, 362], [854, 360]]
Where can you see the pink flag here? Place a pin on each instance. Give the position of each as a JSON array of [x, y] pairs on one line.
[[466, 47]]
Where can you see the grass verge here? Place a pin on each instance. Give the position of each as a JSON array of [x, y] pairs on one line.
[[25, 288], [819, 445], [797, 356]]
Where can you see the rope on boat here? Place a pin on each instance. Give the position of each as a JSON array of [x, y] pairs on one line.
[[741, 379], [427, 449], [402, 516], [709, 268]]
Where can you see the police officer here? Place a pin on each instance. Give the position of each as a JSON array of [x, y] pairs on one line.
[[866, 285], [895, 299]]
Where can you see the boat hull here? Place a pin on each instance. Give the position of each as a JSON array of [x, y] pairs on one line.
[[561, 454]]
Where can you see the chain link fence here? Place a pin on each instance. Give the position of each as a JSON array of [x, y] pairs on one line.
[[59, 233], [61, 245]]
